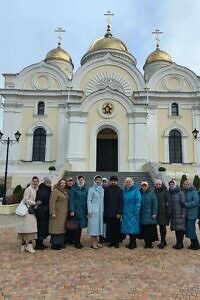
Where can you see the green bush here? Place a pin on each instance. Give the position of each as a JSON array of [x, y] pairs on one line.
[[161, 169], [52, 168], [183, 178], [196, 182]]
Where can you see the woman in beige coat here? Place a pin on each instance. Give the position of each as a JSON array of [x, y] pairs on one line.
[[58, 209], [26, 226]]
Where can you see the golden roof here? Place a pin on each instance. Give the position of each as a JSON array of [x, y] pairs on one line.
[[58, 53], [108, 42], [158, 55]]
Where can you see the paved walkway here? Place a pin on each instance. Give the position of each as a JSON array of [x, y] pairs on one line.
[[96, 274]]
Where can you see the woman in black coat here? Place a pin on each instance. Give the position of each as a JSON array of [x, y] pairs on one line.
[[42, 212], [162, 195]]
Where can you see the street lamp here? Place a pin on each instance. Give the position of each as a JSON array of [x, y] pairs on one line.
[[8, 142], [195, 134]]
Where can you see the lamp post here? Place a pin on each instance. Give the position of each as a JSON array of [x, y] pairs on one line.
[[195, 134], [8, 142]]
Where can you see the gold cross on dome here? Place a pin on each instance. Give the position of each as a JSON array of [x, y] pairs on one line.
[[108, 14], [59, 30], [157, 32]]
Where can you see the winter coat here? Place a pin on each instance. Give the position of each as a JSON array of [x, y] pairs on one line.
[[178, 210], [42, 211], [192, 203], [113, 202], [95, 206], [162, 196], [131, 209], [27, 223], [149, 207], [57, 205], [78, 204]]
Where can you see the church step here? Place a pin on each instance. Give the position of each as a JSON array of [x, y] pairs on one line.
[[89, 176]]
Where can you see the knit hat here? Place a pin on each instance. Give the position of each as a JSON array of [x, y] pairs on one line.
[[113, 178], [172, 181], [157, 181], [144, 183], [104, 179]]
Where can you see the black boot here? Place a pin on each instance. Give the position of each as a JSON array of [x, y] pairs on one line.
[[39, 245], [179, 239], [196, 245], [163, 244], [192, 242], [56, 247], [132, 244]]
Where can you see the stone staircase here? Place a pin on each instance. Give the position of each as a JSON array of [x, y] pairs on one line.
[[137, 176]]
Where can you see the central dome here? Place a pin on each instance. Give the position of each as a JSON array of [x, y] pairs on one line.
[[108, 42]]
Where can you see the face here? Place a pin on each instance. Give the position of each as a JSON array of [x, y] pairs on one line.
[[98, 181], [171, 185], [81, 180], [187, 185], [35, 183], [48, 183], [128, 183], [158, 185], [69, 183], [144, 187], [113, 182], [62, 184]]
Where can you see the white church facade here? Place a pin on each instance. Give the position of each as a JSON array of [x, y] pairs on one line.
[[106, 116]]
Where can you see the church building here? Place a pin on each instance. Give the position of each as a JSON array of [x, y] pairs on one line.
[[106, 116]]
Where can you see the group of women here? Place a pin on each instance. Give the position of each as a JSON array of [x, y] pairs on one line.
[[108, 212]]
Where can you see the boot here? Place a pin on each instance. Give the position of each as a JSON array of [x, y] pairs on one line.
[[94, 242], [29, 248], [132, 244], [196, 245], [192, 242], [179, 240], [148, 245], [39, 245], [163, 244]]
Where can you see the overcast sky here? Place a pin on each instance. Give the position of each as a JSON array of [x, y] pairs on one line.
[[27, 29]]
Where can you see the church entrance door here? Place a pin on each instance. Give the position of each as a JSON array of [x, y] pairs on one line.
[[107, 150]]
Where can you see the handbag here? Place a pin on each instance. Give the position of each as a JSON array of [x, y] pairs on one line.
[[71, 223], [31, 209], [22, 209]]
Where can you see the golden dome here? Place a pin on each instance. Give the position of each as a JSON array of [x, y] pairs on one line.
[[108, 42], [158, 55], [58, 53]]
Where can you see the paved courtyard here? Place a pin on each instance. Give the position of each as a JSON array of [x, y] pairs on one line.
[[96, 274]]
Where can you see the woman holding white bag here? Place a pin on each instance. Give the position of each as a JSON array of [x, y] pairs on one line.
[[26, 226]]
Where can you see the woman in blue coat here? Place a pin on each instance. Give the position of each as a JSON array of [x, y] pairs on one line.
[[192, 211], [148, 215], [95, 207], [78, 208], [131, 209]]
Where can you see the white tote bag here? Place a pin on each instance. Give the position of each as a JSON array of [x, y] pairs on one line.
[[22, 209]]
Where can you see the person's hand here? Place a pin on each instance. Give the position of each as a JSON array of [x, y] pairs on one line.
[[53, 215], [89, 215], [118, 216], [154, 216], [72, 213]]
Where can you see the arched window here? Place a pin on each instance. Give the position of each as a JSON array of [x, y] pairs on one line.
[[41, 108], [39, 145], [175, 147], [174, 109]]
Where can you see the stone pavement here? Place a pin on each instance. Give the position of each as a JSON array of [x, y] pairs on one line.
[[105, 274]]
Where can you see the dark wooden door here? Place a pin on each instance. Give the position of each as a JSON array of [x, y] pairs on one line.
[[107, 155]]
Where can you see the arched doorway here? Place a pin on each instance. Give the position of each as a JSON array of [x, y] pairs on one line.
[[107, 150]]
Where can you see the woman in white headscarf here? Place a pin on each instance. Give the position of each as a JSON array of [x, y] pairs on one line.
[[95, 208]]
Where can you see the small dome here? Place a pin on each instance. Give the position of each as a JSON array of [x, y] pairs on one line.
[[158, 55], [108, 42], [58, 53]]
